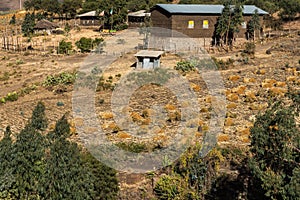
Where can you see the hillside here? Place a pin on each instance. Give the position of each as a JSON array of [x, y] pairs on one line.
[[39, 72]]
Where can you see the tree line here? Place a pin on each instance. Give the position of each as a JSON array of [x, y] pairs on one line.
[[116, 10], [40, 164]]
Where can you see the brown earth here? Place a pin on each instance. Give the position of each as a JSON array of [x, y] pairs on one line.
[[250, 83]]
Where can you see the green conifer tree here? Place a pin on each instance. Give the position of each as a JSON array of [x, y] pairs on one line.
[[28, 24], [253, 26], [38, 119], [7, 181], [13, 20], [275, 145]]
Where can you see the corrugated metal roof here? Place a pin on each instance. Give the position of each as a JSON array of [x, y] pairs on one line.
[[147, 53], [205, 9], [88, 14], [140, 13]]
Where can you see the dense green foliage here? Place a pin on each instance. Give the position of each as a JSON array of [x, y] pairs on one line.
[[38, 165], [88, 44], [28, 24], [13, 20], [185, 66], [288, 9], [167, 187], [190, 177], [253, 26], [64, 47], [275, 145], [11, 96], [228, 24], [249, 48], [64, 78], [38, 119], [66, 8]]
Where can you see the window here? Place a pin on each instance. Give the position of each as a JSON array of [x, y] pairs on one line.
[[205, 24], [191, 24]]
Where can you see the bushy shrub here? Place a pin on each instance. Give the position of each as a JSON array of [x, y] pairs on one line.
[[64, 47], [167, 187], [132, 147], [64, 78], [223, 65], [13, 96], [120, 27], [13, 20], [249, 48], [4, 77], [185, 66], [88, 44]]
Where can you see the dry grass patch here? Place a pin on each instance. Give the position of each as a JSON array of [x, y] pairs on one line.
[[250, 96], [239, 90], [107, 115], [280, 84], [231, 105], [223, 138], [275, 91], [123, 135], [170, 107], [234, 78], [233, 97], [249, 80], [114, 127], [136, 117], [195, 87], [229, 122], [260, 72], [291, 79]]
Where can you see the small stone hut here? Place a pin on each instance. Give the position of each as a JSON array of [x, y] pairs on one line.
[[147, 59]]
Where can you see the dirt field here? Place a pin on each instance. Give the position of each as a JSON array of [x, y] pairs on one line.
[[250, 83], [25, 71]]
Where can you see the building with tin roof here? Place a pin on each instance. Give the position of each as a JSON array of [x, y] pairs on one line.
[[197, 20]]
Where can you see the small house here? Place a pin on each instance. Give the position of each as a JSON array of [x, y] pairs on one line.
[[147, 59], [91, 18], [44, 25], [196, 20], [137, 19]]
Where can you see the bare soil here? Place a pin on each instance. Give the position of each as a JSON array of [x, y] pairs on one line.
[[250, 83]]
